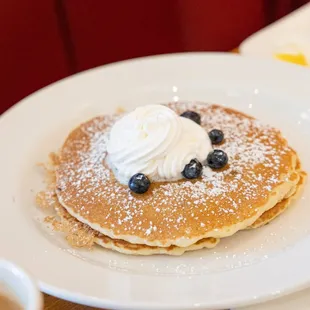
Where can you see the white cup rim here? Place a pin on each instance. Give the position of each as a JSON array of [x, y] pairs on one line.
[[34, 294]]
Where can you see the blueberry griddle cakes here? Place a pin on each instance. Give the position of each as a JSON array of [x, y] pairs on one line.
[[261, 172]]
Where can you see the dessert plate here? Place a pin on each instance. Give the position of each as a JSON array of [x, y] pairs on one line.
[[290, 34], [250, 267]]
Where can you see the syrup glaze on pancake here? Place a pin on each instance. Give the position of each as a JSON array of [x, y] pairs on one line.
[[259, 175]]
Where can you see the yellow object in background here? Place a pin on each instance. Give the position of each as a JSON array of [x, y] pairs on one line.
[[299, 58]]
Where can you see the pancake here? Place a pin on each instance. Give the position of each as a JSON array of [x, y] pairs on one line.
[[261, 173], [80, 235], [85, 233], [124, 247]]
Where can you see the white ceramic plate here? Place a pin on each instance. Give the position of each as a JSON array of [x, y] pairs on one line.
[[298, 301], [250, 267], [293, 29]]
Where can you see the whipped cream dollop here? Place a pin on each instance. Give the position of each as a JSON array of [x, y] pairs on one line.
[[155, 141]]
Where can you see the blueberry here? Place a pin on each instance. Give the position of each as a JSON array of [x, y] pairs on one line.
[[192, 170], [195, 117], [217, 159], [139, 183], [216, 136]]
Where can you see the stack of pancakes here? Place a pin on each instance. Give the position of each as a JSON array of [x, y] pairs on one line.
[[261, 179]]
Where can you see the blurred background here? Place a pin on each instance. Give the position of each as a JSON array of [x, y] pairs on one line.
[[42, 41]]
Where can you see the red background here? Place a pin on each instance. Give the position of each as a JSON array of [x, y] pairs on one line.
[[42, 41]]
